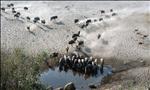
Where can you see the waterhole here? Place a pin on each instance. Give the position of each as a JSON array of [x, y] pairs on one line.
[[56, 77]]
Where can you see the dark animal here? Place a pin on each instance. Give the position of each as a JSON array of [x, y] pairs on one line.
[[76, 20], [28, 18], [13, 11], [76, 35], [78, 32], [136, 30], [75, 38], [18, 13], [84, 25], [43, 21], [80, 42], [92, 86], [111, 10], [8, 5], [55, 54], [78, 47], [3, 9], [98, 36], [36, 18], [138, 33], [28, 28], [102, 11], [88, 21], [12, 4], [102, 66], [88, 68], [53, 17], [25, 8], [95, 20], [67, 49], [71, 42], [61, 62], [34, 21], [100, 19], [114, 14], [140, 43], [145, 36]]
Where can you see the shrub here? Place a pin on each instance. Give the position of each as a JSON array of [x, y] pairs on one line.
[[20, 71]]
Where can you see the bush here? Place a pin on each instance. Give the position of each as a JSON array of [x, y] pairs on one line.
[[20, 72]]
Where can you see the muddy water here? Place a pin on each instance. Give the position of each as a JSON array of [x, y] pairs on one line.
[[55, 77]]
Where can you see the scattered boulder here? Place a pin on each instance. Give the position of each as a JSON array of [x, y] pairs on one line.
[[49, 88], [69, 86], [60, 88], [92, 86]]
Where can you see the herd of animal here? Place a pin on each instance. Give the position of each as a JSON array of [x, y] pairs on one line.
[[88, 21], [86, 65], [17, 14], [84, 25], [143, 36]]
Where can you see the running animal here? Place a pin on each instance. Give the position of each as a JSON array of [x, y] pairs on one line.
[[53, 18]]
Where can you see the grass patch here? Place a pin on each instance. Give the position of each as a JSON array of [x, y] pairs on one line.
[[20, 71]]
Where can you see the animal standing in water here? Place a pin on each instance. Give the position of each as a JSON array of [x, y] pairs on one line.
[[102, 66]]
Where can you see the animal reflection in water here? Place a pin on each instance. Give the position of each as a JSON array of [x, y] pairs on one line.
[[80, 64]]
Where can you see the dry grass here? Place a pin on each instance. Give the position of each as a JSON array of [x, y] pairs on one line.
[[19, 71]]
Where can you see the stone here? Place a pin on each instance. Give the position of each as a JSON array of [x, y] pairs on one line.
[[69, 86], [60, 88], [49, 88], [92, 86]]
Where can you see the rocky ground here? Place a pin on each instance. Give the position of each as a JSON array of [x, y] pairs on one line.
[[125, 37]]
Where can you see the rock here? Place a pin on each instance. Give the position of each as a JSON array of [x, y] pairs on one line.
[[69, 86], [60, 88], [92, 86], [49, 88]]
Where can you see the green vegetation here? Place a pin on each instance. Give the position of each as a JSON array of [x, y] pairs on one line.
[[20, 71]]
